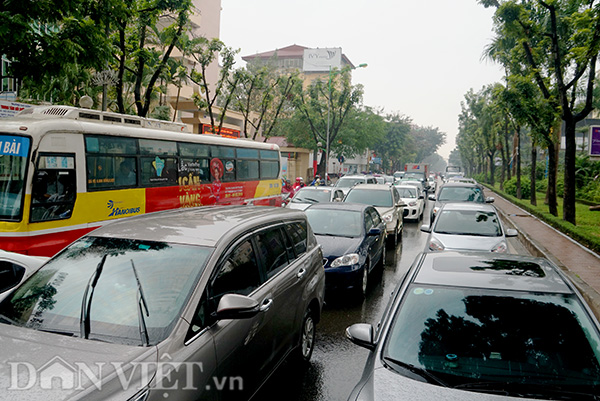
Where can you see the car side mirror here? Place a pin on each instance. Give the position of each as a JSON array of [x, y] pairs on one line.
[[236, 306], [361, 334], [426, 228], [431, 198], [511, 232], [374, 231], [489, 199]]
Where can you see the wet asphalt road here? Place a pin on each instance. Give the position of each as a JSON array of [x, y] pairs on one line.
[[336, 364]]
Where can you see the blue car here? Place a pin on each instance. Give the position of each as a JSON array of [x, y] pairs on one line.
[[352, 237]]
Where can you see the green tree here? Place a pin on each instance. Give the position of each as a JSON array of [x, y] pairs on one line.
[[262, 95], [146, 34], [559, 42], [325, 105], [427, 141], [397, 147], [205, 52]]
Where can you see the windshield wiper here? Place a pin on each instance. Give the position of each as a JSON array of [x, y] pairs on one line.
[[141, 299], [86, 304], [532, 390], [431, 378]]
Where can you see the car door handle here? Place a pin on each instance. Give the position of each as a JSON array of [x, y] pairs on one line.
[[266, 305], [301, 272]]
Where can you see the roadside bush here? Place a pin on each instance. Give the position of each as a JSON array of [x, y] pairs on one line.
[[590, 192], [510, 187]]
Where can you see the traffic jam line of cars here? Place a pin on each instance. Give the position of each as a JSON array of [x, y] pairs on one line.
[[207, 303]]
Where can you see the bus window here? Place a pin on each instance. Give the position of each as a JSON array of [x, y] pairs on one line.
[[193, 171], [247, 170], [14, 151], [154, 147], [54, 188], [110, 145], [269, 169], [194, 150], [126, 175], [100, 172], [222, 164], [159, 171]]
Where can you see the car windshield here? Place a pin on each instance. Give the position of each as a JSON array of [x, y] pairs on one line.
[[418, 176], [341, 223], [312, 196], [375, 198], [407, 192], [468, 222], [461, 194], [14, 153], [471, 337], [108, 276], [349, 182]]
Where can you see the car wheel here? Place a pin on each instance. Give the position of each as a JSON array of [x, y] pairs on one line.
[[307, 338]]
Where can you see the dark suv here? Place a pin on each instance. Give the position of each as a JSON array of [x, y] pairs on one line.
[[199, 303]]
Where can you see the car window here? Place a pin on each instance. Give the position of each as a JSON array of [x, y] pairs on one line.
[[298, 234], [460, 194], [239, 273], [273, 251], [407, 192], [312, 196], [122, 270], [10, 275], [341, 223], [468, 222], [368, 222], [469, 335], [370, 197], [375, 217]]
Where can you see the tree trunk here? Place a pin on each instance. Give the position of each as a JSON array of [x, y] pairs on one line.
[[519, 195], [552, 172], [533, 198], [569, 188]]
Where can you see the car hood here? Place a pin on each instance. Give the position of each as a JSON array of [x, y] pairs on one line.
[[384, 385], [298, 205], [384, 209], [467, 242], [36, 365], [338, 246]]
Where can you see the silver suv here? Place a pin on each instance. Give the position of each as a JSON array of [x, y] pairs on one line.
[[200, 303]]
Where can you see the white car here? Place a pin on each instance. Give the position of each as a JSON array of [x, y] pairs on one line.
[[414, 200], [387, 201], [467, 226], [309, 195], [16, 268], [348, 181]]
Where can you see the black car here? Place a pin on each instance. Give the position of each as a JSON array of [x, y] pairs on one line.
[[457, 192], [352, 237], [481, 326]]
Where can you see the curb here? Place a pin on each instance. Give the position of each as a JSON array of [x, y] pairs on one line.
[[591, 296]]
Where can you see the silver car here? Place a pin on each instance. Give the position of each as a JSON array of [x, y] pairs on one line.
[[387, 201], [481, 326], [201, 303], [16, 268], [467, 226]]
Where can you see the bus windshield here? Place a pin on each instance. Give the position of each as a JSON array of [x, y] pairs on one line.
[[14, 151]]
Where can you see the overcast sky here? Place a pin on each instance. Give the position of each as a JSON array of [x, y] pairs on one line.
[[422, 55]]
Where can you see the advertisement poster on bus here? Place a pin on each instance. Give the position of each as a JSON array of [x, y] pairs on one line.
[[595, 141], [11, 109]]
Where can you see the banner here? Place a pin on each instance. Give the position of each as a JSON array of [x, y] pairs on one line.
[[322, 60]]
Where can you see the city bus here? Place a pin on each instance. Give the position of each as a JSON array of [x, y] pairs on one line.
[[65, 171]]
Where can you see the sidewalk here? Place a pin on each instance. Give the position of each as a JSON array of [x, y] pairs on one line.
[[579, 263]]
